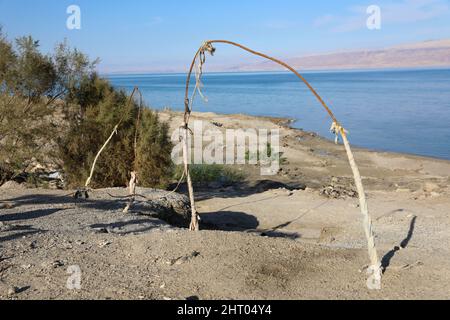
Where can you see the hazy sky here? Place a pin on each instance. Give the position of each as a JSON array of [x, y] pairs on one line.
[[153, 35]]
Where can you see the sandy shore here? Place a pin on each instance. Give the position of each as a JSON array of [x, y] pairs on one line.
[[269, 243]]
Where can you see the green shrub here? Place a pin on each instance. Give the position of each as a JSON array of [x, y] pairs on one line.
[[24, 135], [269, 152], [153, 161], [203, 174], [34, 72], [107, 107], [55, 108], [8, 60], [30, 115]]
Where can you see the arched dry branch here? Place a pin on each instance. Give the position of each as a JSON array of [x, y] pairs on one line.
[[374, 270]]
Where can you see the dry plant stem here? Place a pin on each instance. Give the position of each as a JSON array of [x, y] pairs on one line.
[[132, 191], [375, 267], [194, 226], [88, 181]]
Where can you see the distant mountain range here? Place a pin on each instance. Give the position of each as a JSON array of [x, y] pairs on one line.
[[434, 53]]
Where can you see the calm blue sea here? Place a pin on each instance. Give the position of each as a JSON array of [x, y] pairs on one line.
[[402, 111]]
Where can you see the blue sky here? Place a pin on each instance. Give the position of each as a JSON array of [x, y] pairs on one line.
[[153, 35]]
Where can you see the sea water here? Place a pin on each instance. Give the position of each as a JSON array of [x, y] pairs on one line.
[[404, 111]]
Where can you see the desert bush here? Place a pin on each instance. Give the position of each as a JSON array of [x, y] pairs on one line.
[[26, 72], [24, 136], [34, 74], [8, 60], [73, 69], [56, 107], [153, 161], [27, 119], [104, 107]]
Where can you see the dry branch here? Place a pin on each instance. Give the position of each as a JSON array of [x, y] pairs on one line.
[[194, 226], [374, 270], [88, 181], [132, 191]]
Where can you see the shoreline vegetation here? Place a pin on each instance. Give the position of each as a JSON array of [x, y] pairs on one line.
[[56, 113], [308, 144]]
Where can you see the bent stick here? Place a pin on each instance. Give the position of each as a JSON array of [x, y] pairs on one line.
[[375, 267]]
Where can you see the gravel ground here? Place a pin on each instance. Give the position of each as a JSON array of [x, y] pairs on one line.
[[46, 239]]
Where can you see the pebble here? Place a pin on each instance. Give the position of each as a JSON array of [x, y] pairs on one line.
[[100, 230], [183, 259], [52, 264], [67, 246], [12, 291], [57, 263], [104, 243]]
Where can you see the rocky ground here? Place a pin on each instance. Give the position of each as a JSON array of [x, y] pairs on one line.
[[296, 235]]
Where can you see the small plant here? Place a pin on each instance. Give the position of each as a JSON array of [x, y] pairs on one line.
[[204, 174], [269, 153]]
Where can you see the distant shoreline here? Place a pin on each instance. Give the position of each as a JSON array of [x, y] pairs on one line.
[[304, 71], [286, 123]]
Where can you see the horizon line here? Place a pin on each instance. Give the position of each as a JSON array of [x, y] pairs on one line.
[[332, 70]]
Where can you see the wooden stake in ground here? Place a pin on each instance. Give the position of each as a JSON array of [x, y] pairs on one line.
[[194, 226], [131, 191], [374, 281]]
